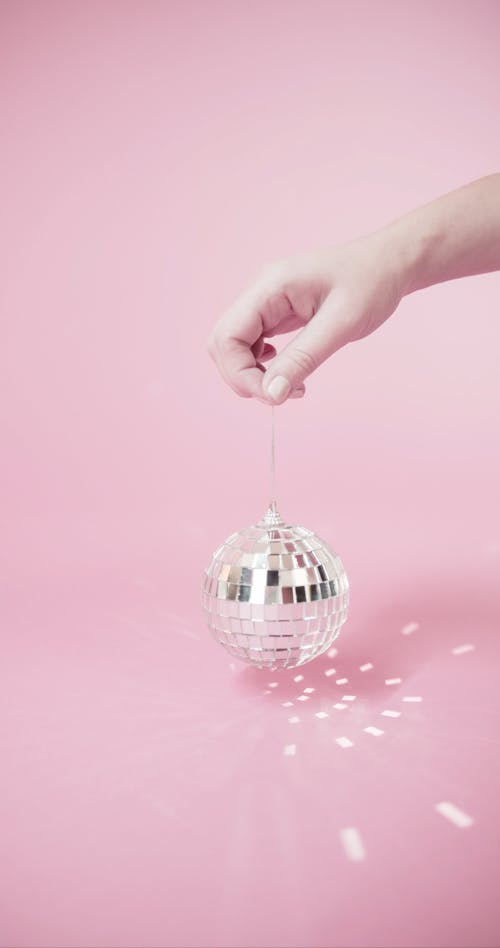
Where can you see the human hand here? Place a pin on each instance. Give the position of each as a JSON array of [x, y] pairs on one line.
[[331, 296]]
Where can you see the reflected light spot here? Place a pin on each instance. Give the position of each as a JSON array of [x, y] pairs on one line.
[[366, 667], [332, 652], [412, 698], [373, 730], [344, 742], [454, 815], [353, 844], [342, 681], [287, 704], [293, 720], [409, 628], [303, 698], [321, 714], [329, 671], [393, 681], [309, 691], [289, 750], [391, 714], [462, 649], [273, 684], [339, 706], [298, 678], [348, 697]]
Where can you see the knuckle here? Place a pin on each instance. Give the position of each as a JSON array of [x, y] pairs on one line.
[[304, 361], [227, 343], [276, 273], [220, 344]]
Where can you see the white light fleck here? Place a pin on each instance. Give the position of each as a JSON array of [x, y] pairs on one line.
[[454, 815], [329, 671], [412, 698], [341, 681], [391, 714], [321, 714], [293, 720], [366, 667], [353, 844], [462, 649], [289, 750], [409, 628], [348, 697], [344, 742], [309, 691], [393, 681], [339, 706], [273, 684], [373, 730], [298, 678], [332, 652], [288, 704], [303, 698]]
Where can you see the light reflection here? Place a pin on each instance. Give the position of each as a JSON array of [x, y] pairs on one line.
[[353, 844]]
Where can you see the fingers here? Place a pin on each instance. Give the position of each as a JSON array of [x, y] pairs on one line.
[[239, 348], [298, 392], [262, 350], [326, 332], [237, 344], [239, 367], [250, 376], [268, 352]]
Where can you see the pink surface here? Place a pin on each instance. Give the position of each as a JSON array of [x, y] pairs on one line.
[[155, 156]]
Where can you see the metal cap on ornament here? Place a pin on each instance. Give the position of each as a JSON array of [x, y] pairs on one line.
[[274, 595]]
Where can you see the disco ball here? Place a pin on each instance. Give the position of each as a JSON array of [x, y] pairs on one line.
[[274, 595]]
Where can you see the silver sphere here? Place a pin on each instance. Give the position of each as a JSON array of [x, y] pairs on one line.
[[274, 595]]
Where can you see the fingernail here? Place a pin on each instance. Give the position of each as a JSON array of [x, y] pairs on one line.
[[279, 388]]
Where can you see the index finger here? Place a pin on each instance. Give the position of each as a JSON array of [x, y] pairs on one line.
[[230, 345], [254, 315]]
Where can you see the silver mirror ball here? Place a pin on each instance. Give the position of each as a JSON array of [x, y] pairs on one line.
[[274, 595]]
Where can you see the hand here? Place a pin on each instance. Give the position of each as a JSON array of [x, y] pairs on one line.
[[331, 296]]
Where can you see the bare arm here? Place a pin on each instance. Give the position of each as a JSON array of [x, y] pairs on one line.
[[336, 295], [454, 236]]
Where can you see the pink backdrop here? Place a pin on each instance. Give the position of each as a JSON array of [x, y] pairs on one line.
[[154, 157]]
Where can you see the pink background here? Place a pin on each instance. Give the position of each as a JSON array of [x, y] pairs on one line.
[[154, 157]]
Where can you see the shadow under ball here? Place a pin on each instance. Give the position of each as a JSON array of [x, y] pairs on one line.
[[274, 595]]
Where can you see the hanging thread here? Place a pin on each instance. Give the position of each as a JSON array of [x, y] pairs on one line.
[[273, 464]]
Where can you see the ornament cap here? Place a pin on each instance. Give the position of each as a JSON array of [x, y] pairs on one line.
[[271, 518]]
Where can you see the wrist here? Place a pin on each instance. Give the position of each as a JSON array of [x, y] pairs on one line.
[[412, 247]]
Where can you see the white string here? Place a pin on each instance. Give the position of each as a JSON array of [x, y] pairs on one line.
[[273, 463]]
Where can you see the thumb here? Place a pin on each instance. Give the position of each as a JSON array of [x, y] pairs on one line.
[[321, 337]]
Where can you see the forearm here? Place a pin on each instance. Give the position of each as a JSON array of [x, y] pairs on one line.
[[454, 236], [343, 293]]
